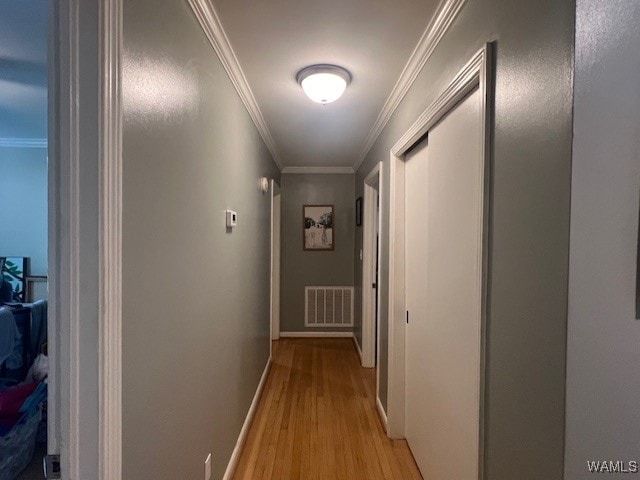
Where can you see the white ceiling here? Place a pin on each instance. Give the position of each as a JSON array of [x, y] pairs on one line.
[[23, 69], [273, 40]]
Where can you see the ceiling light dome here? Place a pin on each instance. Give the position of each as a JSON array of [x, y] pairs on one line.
[[324, 83]]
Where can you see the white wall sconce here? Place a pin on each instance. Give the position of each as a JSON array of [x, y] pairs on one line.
[[324, 83], [264, 184]]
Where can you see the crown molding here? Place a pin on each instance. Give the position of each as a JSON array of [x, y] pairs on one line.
[[348, 170], [208, 19], [23, 142], [442, 20]]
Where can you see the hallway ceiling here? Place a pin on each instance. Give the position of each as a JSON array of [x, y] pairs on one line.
[[273, 40]]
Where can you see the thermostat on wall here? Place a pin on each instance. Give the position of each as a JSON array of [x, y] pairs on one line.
[[232, 218]]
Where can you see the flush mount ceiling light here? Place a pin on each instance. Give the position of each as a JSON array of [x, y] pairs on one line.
[[324, 83]]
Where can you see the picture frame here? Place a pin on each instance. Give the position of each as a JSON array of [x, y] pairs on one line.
[[359, 212], [318, 232]]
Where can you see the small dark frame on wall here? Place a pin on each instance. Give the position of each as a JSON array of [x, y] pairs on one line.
[[359, 212], [318, 227]]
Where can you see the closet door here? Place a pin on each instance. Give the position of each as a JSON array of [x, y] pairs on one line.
[[444, 188]]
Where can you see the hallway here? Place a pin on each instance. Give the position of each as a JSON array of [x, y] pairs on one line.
[[236, 208], [317, 419]]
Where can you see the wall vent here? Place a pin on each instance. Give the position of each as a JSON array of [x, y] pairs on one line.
[[328, 307]]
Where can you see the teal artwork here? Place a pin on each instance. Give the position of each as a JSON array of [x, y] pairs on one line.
[[14, 272]]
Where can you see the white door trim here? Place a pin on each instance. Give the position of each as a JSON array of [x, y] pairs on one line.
[[68, 406], [274, 319], [110, 242], [64, 236], [475, 74], [372, 186]]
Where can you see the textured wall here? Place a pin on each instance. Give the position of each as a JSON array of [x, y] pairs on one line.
[[301, 268], [603, 358], [529, 226], [196, 297]]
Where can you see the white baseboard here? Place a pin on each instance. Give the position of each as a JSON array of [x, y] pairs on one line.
[[358, 349], [316, 334], [381, 412], [242, 438]]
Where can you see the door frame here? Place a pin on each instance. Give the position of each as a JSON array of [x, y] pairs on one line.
[[372, 191], [110, 240], [79, 99], [275, 274], [475, 74]]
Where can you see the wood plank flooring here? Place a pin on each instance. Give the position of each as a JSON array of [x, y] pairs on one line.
[[317, 419]]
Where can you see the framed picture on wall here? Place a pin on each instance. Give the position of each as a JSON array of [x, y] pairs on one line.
[[317, 227], [359, 212]]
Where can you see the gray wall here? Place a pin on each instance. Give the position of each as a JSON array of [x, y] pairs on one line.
[[358, 239], [300, 268], [529, 225], [23, 205], [196, 297], [603, 359]]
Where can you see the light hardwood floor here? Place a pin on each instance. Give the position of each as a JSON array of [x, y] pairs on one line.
[[317, 419]]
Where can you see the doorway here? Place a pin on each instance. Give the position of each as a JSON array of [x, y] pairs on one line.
[[438, 223], [370, 274], [444, 178], [83, 208], [275, 259], [24, 244]]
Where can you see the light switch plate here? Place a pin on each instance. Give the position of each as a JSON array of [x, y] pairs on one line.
[[207, 468]]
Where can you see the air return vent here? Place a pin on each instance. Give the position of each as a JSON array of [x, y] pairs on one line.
[[328, 307]]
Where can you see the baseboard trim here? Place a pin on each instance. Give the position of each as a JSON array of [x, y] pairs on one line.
[[358, 349], [242, 438], [316, 334], [381, 412]]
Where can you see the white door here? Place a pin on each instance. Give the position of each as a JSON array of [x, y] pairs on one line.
[[370, 336], [444, 187]]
